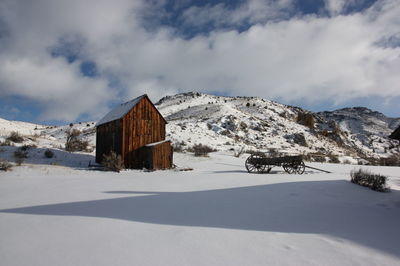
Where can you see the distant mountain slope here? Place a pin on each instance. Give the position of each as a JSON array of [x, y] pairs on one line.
[[361, 120], [366, 125]]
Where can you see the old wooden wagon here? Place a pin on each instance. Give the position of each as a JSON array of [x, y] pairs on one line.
[[136, 131], [260, 163]]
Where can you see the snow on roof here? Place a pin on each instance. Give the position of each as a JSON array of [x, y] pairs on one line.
[[120, 111], [156, 143]]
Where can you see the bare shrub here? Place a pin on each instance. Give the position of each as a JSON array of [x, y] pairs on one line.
[[113, 162], [6, 143], [20, 155], [373, 181], [4, 165], [306, 119], [23, 154], [27, 147], [297, 138], [15, 137], [48, 153], [178, 146], [347, 161], [257, 128], [238, 152], [319, 158], [392, 160], [201, 150], [73, 142], [333, 158], [226, 132]]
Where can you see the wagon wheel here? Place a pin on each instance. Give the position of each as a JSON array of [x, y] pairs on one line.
[[300, 168], [294, 167], [290, 168], [268, 167], [253, 163]]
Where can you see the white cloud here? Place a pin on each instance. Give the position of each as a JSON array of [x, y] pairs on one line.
[[312, 58], [56, 84], [335, 7]]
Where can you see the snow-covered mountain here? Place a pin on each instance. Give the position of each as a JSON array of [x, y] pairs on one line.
[[249, 123], [371, 128], [228, 123]]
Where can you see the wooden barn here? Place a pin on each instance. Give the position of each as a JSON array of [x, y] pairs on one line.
[[136, 131]]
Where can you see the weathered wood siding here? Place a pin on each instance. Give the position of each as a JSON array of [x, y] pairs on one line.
[[158, 156], [108, 138], [142, 125]]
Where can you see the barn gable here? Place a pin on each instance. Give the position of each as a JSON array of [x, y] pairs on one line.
[[121, 110]]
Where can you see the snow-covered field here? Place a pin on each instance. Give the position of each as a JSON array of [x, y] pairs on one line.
[[217, 214]]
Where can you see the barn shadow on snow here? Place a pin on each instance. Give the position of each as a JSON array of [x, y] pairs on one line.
[[336, 208]]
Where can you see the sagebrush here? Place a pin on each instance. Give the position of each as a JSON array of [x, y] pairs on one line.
[[15, 137], [237, 153], [113, 162], [392, 160], [367, 179], [333, 158], [27, 147], [306, 119], [6, 143], [20, 155], [179, 146], [73, 142], [201, 150], [4, 165], [48, 153]]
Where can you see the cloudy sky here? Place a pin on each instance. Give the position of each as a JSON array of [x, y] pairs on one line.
[[63, 61]]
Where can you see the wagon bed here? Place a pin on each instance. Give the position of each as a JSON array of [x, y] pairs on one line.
[[261, 163]]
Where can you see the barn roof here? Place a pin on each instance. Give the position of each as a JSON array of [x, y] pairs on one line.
[[121, 110]]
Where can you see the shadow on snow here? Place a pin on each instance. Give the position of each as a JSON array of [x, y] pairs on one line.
[[78, 160], [336, 208]]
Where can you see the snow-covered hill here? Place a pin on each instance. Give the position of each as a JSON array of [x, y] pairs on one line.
[[228, 123], [369, 127], [44, 136], [248, 123]]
